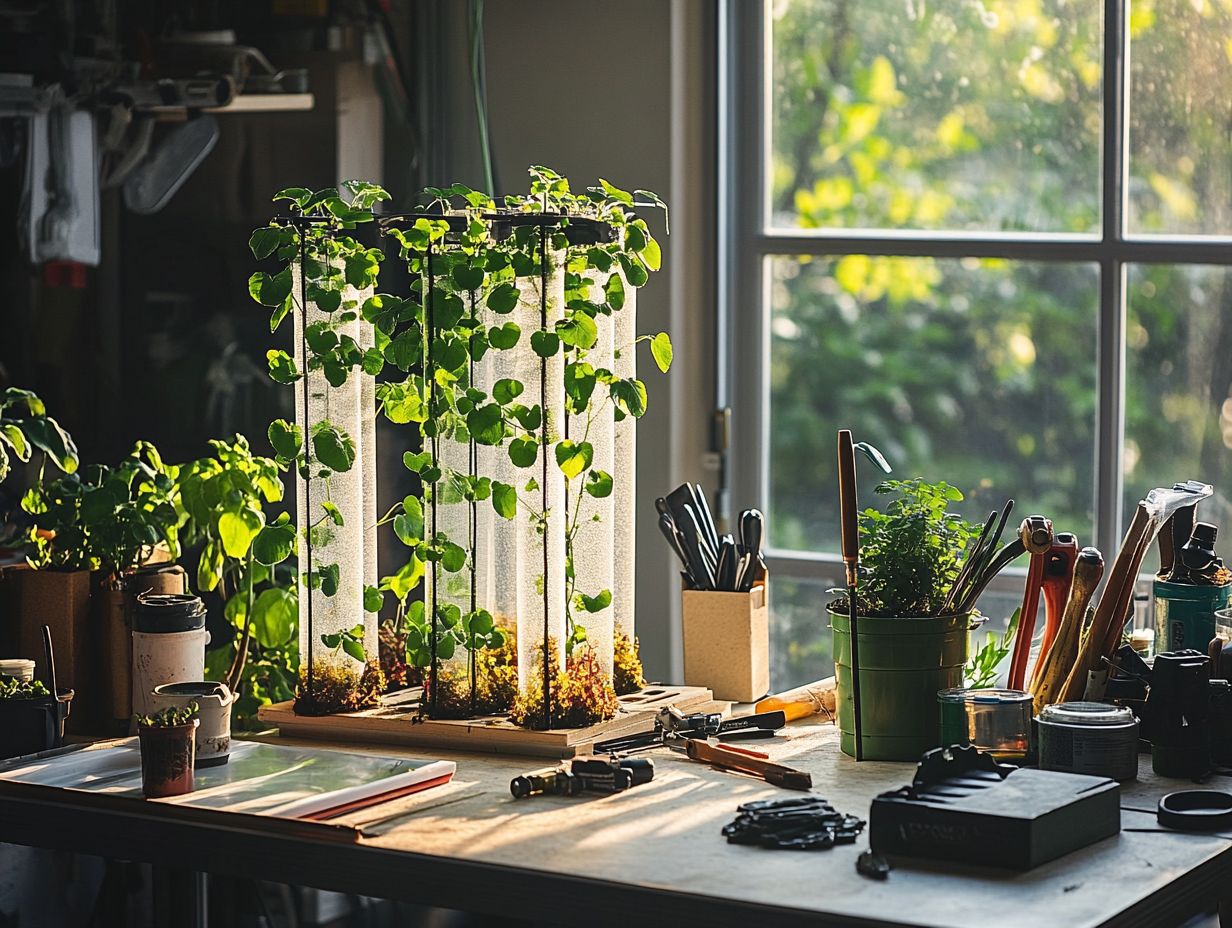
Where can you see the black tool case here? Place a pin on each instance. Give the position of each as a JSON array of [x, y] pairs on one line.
[[965, 807]]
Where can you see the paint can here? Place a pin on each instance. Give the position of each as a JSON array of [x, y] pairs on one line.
[[994, 720], [1185, 614], [1088, 737]]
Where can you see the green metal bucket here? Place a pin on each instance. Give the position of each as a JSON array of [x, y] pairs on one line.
[[903, 663]]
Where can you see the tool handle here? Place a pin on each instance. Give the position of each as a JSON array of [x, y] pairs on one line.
[[1026, 623], [770, 721], [803, 701], [1058, 578], [847, 499], [776, 774]]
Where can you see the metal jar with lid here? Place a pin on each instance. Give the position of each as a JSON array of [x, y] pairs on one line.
[[1088, 737]]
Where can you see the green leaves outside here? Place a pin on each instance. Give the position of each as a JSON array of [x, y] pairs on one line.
[[286, 438], [237, 528]]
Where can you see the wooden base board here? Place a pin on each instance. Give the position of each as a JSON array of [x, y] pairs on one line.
[[397, 721]]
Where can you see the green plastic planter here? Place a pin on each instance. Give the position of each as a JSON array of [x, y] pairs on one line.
[[903, 663]]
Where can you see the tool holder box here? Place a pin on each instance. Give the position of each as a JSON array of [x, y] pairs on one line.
[[727, 642]]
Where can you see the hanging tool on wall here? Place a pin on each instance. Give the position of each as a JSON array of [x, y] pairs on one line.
[[1035, 534]]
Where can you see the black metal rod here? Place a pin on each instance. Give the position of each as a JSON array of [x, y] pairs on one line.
[[474, 533], [429, 380], [307, 529], [543, 441]]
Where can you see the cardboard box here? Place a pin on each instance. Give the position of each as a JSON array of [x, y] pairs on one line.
[[61, 600], [727, 643]]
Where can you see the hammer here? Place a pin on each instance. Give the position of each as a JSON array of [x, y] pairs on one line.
[[1035, 533], [1058, 577]]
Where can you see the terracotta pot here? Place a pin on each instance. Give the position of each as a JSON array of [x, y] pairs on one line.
[[167, 757]]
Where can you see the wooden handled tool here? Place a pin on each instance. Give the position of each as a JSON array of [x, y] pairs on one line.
[[1058, 577], [1035, 533], [851, 562], [803, 701], [1055, 663], [1113, 605], [744, 762]]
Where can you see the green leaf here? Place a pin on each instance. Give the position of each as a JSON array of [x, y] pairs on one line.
[[329, 579], [406, 530], [286, 438], [334, 513], [374, 599], [445, 648], [661, 351], [505, 391], [16, 438], [355, 649], [504, 500], [615, 193], [333, 447], [545, 344], [298, 195], [529, 417], [237, 529], [467, 277], [578, 330], [274, 543], [453, 557], [573, 457], [412, 508], [274, 616], [486, 424], [652, 254], [406, 579], [523, 451], [635, 270], [209, 566], [282, 367], [635, 237], [630, 396], [503, 298], [270, 289], [45, 433], [614, 289], [262, 242], [416, 462], [579, 384], [599, 484], [326, 300], [597, 603], [504, 336]]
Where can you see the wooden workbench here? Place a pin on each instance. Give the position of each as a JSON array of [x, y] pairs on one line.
[[654, 856]]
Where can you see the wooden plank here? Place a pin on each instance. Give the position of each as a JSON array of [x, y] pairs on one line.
[[397, 721]]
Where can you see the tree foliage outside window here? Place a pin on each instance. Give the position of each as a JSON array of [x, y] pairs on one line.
[[983, 118]]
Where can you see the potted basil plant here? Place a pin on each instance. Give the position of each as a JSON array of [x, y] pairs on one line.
[[910, 556], [31, 717], [168, 750]]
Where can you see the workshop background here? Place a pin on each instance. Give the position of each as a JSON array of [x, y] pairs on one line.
[[1011, 371]]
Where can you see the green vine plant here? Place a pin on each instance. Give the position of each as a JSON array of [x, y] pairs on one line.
[[474, 285], [317, 237], [428, 383]]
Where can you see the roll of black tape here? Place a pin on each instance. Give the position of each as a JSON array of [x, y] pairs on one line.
[[1196, 810]]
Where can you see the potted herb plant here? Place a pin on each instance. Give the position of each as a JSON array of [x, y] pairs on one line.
[[910, 556], [31, 717], [168, 750]]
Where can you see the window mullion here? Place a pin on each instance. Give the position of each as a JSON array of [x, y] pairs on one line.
[[1110, 416]]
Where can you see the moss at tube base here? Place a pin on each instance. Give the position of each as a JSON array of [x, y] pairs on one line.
[[336, 687], [583, 695], [627, 673]]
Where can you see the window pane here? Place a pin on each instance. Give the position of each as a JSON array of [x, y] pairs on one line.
[[1178, 384], [1180, 157], [945, 114], [977, 372], [800, 641]]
